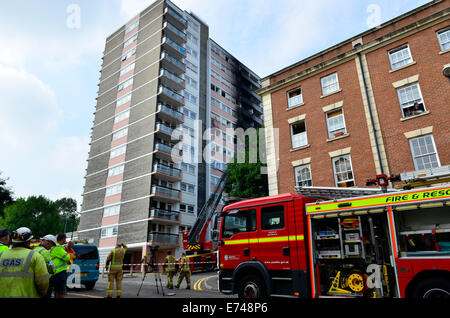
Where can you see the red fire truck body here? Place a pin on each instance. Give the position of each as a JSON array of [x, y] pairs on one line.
[[384, 245]]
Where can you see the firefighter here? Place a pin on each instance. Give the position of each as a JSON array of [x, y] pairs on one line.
[[170, 269], [60, 259], [115, 258], [43, 249], [23, 272], [4, 240], [185, 271]]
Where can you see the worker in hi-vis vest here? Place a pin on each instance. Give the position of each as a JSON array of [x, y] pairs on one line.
[[115, 261], [23, 272]]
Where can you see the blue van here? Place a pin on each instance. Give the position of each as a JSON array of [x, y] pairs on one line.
[[87, 257]]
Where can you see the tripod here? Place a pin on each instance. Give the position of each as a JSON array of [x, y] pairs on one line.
[[152, 268]]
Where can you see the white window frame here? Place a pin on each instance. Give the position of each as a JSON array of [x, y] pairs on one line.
[[297, 99], [123, 100], [445, 31], [326, 86], [113, 190], [110, 231], [416, 156], [122, 116], [303, 136], [337, 182], [307, 182], [120, 133], [404, 61], [114, 171], [125, 84], [127, 68], [111, 211], [131, 27], [118, 151], [406, 105], [343, 129]]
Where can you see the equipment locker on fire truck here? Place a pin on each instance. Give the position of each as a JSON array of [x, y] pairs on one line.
[[389, 245]]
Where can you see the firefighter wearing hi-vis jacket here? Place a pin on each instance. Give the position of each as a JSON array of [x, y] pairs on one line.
[[170, 269], [185, 271], [115, 258]]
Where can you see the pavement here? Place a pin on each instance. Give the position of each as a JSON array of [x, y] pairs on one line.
[[203, 285]]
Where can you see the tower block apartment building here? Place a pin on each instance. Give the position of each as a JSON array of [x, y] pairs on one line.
[[163, 83], [377, 103]]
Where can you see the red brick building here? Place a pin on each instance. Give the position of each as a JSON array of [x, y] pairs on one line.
[[376, 103]]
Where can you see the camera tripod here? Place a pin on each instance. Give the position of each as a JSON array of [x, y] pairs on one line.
[[152, 268]]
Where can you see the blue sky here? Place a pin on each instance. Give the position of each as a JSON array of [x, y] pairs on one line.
[[49, 70]]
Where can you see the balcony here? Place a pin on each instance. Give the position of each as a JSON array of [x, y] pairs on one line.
[[170, 97], [169, 114], [171, 80], [163, 239], [167, 152], [172, 64], [167, 173], [165, 194], [174, 49], [165, 215], [175, 18], [174, 33]]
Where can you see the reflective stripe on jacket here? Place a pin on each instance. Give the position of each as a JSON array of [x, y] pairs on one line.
[[171, 262], [23, 273], [115, 258], [60, 259], [47, 257]]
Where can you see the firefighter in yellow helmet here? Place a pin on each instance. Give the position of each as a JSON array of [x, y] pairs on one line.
[[23, 272], [185, 271], [115, 258], [170, 269]]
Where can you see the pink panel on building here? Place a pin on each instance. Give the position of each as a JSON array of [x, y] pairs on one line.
[[129, 46], [124, 91], [131, 33], [110, 220], [122, 107], [118, 142], [108, 242], [116, 160], [114, 179], [112, 199], [128, 61], [126, 76], [121, 124]]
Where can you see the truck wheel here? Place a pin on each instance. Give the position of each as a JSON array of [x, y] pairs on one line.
[[251, 286], [89, 285], [432, 288], [209, 265]]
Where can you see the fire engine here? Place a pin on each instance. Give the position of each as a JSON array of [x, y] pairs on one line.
[[199, 243], [334, 242]]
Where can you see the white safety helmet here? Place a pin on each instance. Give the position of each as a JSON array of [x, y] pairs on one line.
[[21, 235], [50, 238]]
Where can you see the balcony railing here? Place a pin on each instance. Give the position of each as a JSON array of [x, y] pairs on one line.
[[174, 48], [172, 64], [165, 192], [165, 215], [171, 96], [171, 112], [162, 238], [175, 18], [171, 80], [164, 128], [157, 167], [175, 33]]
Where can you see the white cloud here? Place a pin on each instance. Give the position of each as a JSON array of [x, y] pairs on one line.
[[129, 8], [28, 109]]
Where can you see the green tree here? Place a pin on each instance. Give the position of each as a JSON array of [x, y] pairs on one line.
[[246, 179], [67, 208], [5, 196], [39, 214]]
